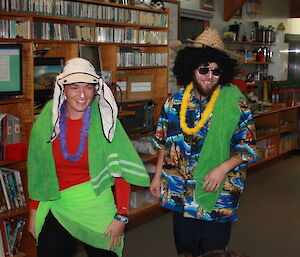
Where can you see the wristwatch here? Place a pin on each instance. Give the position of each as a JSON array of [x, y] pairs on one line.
[[122, 218]]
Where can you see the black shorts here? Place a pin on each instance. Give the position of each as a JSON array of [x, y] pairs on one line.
[[197, 237]]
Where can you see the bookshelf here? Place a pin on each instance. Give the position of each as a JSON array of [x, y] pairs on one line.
[[57, 28]]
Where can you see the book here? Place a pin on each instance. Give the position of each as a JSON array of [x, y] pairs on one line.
[[11, 233], [14, 228], [9, 189], [4, 239], [21, 196], [15, 185], [2, 253], [5, 191], [3, 206]]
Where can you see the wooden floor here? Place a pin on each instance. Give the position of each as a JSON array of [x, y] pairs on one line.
[[269, 218]]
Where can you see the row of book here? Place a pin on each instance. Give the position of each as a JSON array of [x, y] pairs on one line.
[[11, 230], [65, 32], [82, 10], [9, 132], [136, 59], [11, 190], [153, 37], [130, 36], [14, 29], [116, 35]]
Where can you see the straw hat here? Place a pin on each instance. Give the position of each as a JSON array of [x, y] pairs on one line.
[[209, 37]]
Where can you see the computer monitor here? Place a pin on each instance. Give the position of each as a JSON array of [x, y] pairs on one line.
[[11, 82], [92, 54]]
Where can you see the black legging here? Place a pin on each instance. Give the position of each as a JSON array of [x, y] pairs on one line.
[[55, 241]]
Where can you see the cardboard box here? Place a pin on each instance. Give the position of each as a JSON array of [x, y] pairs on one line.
[[139, 87]]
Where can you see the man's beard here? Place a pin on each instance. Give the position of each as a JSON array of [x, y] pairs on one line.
[[202, 91]]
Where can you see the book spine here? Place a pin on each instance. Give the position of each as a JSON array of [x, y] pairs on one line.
[[5, 191]]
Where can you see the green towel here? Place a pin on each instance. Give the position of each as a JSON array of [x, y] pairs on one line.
[[216, 147], [84, 215], [106, 160]]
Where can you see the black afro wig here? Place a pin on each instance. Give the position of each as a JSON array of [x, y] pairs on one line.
[[190, 58]]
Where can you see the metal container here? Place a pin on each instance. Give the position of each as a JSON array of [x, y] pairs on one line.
[[269, 35], [261, 34]]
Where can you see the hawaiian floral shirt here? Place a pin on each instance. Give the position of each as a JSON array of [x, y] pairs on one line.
[[181, 156]]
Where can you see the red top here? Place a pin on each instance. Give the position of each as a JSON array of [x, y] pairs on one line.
[[73, 173]]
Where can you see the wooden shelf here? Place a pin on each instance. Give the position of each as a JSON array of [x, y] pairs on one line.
[[276, 109], [140, 67], [148, 157], [144, 213], [262, 161], [14, 101], [290, 128], [142, 135], [247, 43], [10, 162], [13, 212], [265, 136]]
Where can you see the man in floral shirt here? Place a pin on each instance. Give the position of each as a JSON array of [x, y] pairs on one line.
[[206, 137]]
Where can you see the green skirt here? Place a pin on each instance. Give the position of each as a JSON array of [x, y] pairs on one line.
[[82, 213]]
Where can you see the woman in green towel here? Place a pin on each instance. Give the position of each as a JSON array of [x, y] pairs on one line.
[[78, 150], [205, 134]]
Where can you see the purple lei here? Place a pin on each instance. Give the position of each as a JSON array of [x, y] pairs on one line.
[[63, 134]]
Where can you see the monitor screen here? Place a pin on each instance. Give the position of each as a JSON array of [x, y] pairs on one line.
[[11, 70], [45, 71], [92, 54]]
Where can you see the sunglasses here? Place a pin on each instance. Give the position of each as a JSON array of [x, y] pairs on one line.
[[205, 70]]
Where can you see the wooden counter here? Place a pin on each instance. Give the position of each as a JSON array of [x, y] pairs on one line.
[[276, 131]]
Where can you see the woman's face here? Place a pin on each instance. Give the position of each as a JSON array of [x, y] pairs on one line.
[[206, 78], [79, 96]]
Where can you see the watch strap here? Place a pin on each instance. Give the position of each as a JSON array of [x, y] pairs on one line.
[[121, 218]]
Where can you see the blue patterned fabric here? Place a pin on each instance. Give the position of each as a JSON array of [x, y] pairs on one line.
[[182, 152]]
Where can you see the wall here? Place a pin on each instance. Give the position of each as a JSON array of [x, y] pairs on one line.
[[273, 13], [293, 26]]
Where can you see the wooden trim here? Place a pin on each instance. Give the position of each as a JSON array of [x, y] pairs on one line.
[[231, 7]]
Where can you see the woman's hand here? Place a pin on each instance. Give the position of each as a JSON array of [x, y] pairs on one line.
[[155, 186], [116, 231], [31, 223]]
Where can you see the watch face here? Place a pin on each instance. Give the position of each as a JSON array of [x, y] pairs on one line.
[[124, 220]]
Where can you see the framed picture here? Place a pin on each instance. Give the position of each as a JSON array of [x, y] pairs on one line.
[[238, 14], [207, 5]]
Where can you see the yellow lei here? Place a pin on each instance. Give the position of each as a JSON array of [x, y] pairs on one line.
[[208, 110]]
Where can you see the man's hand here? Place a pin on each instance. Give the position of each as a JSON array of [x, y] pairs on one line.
[[213, 179], [155, 186], [116, 231]]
